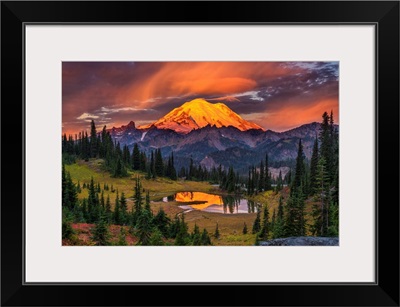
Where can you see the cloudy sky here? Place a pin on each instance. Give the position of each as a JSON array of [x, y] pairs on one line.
[[275, 95]]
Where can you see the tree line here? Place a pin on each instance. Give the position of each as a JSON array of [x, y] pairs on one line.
[[317, 182], [119, 160]]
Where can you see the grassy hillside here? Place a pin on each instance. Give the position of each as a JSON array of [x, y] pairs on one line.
[[230, 225]]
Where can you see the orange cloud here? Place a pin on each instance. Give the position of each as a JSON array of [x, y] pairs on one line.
[[200, 78], [296, 115]]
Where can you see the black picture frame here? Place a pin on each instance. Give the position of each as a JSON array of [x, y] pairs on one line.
[[383, 14]]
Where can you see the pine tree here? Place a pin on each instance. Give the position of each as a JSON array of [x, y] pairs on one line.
[[117, 213], [152, 165], [162, 222], [279, 182], [156, 238], [173, 170], [143, 162], [93, 203], [257, 222], [261, 183], [101, 233], [122, 237], [123, 209], [136, 157], [174, 228], [108, 212], [273, 220], [267, 174], [326, 142], [278, 230], [67, 230], [144, 227], [147, 202], [85, 211], [196, 236], [205, 238], [159, 164], [313, 167], [320, 210], [230, 184], [264, 232], [299, 170], [93, 140], [182, 236], [216, 233], [244, 229], [137, 206], [295, 216], [126, 156], [71, 193]]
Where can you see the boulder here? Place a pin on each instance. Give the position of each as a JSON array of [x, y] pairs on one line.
[[302, 241]]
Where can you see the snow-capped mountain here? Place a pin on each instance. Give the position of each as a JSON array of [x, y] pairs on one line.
[[199, 113]]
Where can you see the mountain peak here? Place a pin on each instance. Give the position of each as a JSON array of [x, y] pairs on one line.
[[198, 113]]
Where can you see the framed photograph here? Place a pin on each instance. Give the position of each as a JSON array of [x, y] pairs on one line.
[[252, 148]]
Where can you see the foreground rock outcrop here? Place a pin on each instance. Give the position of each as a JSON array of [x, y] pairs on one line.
[[302, 241]]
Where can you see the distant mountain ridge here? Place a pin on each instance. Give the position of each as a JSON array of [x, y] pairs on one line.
[[211, 146], [212, 134]]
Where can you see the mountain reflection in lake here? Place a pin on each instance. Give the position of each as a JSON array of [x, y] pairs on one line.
[[212, 202]]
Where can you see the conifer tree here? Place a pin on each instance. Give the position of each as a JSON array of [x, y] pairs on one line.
[[143, 161], [313, 167], [108, 212], [102, 203], [144, 227], [205, 238], [267, 175], [136, 157], [295, 220], [299, 170], [326, 142], [93, 204], [162, 222], [137, 206], [273, 220], [257, 222], [196, 236], [147, 202], [182, 236], [117, 213], [156, 238], [152, 165], [159, 164], [244, 229], [101, 233], [122, 237], [93, 140], [67, 230], [279, 182], [216, 233], [264, 232], [85, 211], [123, 209], [261, 183], [278, 230], [126, 156], [320, 210]]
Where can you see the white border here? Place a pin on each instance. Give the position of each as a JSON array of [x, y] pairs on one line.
[[48, 45]]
